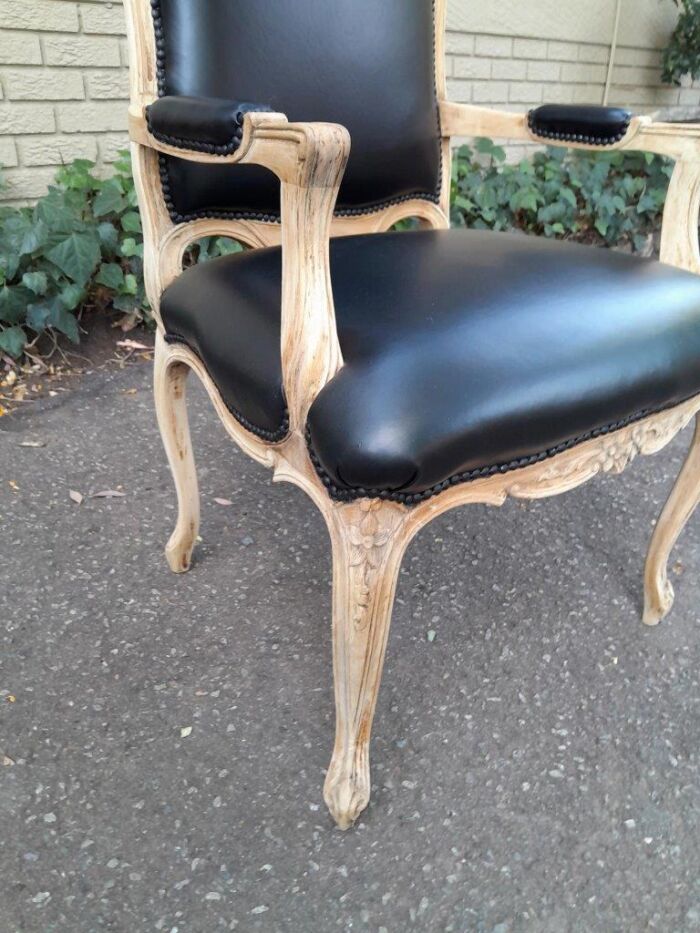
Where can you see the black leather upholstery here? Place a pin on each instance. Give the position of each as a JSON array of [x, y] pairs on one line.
[[203, 124], [465, 351], [600, 126], [366, 65]]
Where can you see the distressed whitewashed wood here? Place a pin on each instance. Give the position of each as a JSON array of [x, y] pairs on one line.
[[169, 386], [369, 537], [368, 541], [684, 498], [679, 231]]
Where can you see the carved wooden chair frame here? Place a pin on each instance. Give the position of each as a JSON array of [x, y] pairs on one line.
[[369, 537]]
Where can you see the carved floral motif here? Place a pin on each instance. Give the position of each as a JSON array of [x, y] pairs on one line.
[[367, 542], [610, 454]]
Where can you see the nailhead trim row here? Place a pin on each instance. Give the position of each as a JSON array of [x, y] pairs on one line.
[[577, 137], [212, 148], [349, 495], [224, 214], [272, 437]]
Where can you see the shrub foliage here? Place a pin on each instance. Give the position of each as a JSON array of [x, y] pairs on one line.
[[81, 245], [605, 198], [682, 56]]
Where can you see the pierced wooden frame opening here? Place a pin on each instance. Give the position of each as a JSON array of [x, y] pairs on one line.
[[370, 536]]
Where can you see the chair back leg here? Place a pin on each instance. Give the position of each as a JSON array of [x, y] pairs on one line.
[[369, 538], [169, 384], [685, 495]]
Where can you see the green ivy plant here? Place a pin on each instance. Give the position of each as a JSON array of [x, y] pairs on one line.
[[682, 56], [79, 246], [605, 198]]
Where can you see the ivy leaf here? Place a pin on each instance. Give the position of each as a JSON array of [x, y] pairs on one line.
[[109, 200], [109, 237], [110, 275], [9, 261], [225, 246], [126, 303], [12, 341], [38, 315], [131, 248], [568, 195], [76, 176], [55, 213], [131, 222], [529, 201], [77, 256], [23, 234], [13, 303], [71, 296], [65, 322], [36, 282]]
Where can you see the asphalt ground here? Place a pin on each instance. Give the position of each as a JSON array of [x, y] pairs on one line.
[[163, 739]]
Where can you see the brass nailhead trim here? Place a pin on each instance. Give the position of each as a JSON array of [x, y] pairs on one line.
[[272, 437], [344, 494]]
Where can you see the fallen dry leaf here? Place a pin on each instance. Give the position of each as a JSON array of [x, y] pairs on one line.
[[132, 345], [223, 501], [127, 322], [185, 731], [108, 494], [76, 496], [129, 392], [7, 761], [13, 485], [3, 411]]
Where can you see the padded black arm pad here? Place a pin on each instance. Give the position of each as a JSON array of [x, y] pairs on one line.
[[597, 126], [204, 124]]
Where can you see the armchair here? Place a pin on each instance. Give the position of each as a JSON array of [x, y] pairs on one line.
[[391, 376]]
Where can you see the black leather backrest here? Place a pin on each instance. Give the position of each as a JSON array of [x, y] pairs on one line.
[[366, 64]]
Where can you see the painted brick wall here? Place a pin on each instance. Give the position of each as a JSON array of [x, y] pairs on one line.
[[517, 73], [63, 70], [63, 88]]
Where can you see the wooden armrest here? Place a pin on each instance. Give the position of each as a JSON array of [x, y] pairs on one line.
[[468, 120], [203, 124], [309, 159], [679, 141], [676, 140]]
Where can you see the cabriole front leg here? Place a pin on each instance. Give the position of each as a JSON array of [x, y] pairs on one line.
[[368, 543], [169, 384], [684, 498]]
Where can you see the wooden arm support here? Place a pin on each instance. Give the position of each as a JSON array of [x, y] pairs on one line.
[[309, 159], [679, 141]]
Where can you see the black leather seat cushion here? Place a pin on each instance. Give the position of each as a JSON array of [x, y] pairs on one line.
[[464, 350], [365, 64]]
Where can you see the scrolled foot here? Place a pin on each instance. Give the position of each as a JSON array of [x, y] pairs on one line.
[[658, 601], [347, 790], [178, 551]]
